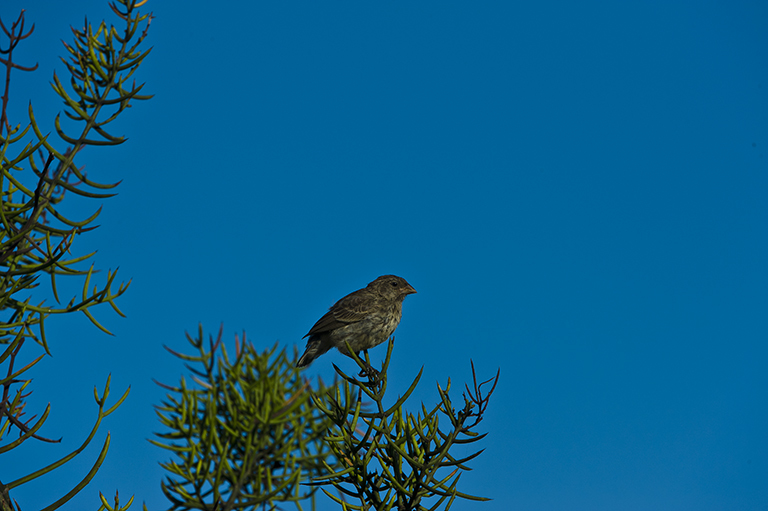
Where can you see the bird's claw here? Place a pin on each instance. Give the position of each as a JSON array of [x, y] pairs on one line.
[[372, 374]]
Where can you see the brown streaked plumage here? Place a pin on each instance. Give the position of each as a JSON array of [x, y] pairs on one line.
[[364, 319]]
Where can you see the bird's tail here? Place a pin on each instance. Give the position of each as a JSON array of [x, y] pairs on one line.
[[315, 348]]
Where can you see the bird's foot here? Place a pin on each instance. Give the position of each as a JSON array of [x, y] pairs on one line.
[[372, 374]]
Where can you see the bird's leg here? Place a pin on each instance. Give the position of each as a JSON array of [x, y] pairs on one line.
[[369, 371]]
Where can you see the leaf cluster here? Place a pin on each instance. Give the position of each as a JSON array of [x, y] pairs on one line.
[[243, 432], [393, 459], [37, 237], [28, 433]]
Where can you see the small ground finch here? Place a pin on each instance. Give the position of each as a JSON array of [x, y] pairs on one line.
[[364, 319]]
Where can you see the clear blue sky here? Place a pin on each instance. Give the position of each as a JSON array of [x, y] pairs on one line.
[[578, 191]]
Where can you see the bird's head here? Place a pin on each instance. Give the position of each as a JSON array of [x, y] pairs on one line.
[[392, 287]]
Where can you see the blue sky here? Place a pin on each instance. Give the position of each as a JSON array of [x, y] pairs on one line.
[[576, 190]]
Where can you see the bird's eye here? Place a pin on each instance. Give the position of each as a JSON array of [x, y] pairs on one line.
[[393, 283]]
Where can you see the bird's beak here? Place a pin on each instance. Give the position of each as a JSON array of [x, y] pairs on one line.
[[409, 290]]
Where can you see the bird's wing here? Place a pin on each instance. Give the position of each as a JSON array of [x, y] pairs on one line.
[[350, 309], [325, 324]]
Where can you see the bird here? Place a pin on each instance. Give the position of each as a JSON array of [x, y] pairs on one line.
[[364, 318]]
